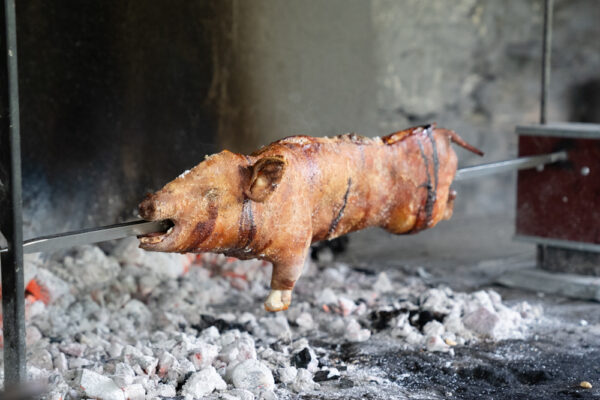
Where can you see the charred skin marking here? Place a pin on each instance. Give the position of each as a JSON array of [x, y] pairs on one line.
[[340, 213], [247, 227], [204, 229], [434, 155], [431, 189], [431, 193]]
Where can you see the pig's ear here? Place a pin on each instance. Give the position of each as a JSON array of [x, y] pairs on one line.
[[266, 175]]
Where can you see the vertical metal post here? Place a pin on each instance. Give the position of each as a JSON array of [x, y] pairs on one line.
[[11, 220], [546, 53], [546, 68]]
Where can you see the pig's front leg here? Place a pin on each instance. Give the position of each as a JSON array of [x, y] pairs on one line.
[[282, 283]]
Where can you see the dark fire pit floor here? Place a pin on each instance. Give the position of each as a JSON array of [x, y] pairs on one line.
[[468, 256], [542, 369]]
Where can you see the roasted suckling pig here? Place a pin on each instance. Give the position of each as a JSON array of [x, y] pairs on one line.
[[274, 203]]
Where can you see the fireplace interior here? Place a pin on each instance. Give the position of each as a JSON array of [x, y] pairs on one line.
[[118, 98]]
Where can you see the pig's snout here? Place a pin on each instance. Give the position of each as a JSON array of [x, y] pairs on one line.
[[150, 208]]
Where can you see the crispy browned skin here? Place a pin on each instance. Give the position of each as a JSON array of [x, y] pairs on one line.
[[274, 203]]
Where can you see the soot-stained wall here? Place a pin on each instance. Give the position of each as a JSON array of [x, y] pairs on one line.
[[115, 101], [118, 97]]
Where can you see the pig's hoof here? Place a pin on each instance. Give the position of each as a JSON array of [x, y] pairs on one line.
[[278, 300]]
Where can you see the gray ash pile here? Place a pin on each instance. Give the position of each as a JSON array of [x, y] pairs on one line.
[[137, 325]]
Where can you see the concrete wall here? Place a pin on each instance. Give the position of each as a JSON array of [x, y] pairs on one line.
[[329, 67], [305, 67]]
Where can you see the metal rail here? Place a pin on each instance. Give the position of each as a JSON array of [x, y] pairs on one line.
[[11, 218], [572, 130], [546, 58], [564, 244]]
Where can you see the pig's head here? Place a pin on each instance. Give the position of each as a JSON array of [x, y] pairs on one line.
[[204, 206]]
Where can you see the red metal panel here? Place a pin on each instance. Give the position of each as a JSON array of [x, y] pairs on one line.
[[561, 201]]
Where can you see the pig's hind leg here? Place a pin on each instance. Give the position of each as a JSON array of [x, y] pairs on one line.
[[283, 280], [278, 300]]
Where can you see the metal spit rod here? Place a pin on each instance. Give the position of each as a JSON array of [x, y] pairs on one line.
[[92, 235], [477, 171], [139, 227]]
